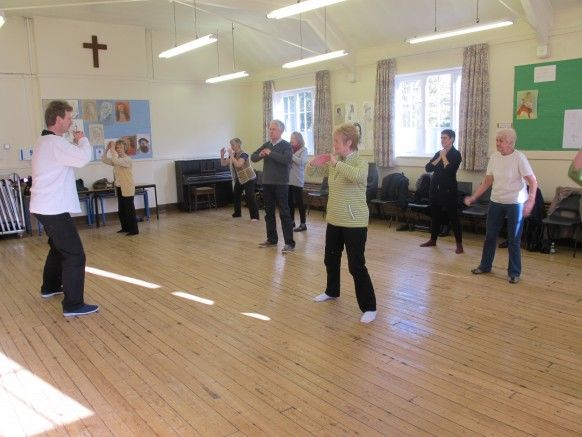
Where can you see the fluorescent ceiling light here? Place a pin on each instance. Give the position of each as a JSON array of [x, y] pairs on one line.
[[461, 31], [226, 77], [2, 19], [299, 8], [314, 59], [186, 47]]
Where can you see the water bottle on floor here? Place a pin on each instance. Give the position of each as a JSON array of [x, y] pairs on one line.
[[553, 247]]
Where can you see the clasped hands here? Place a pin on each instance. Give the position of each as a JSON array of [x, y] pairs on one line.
[[224, 151], [323, 159], [77, 135], [265, 152]]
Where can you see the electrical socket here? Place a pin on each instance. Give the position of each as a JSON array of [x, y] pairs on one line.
[[7, 146]]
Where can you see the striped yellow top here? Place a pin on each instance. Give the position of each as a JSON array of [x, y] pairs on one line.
[[346, 205]]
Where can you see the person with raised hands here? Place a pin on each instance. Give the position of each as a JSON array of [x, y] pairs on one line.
[[347, 218]]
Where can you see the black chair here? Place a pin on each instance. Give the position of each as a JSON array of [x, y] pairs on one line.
[[464, 189], [394, 194], [478, 211], [566, 214], [419, 205], [319, 197]]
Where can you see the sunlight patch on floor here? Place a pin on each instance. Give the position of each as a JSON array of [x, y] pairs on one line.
[[193, 297], [118, 277], [257, 316], [29, 405]]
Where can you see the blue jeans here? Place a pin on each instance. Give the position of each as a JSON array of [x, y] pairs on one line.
[[495, 217]]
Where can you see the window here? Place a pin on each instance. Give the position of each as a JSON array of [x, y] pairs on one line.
[[426, 103], [295, 109]]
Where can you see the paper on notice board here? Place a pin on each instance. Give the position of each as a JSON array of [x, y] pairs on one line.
[[545, 74], [572, 129]]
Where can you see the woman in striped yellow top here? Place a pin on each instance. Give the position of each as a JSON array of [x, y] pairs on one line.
[[347, 218]]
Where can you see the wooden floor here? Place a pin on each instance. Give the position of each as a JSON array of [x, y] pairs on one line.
[[222, 338]]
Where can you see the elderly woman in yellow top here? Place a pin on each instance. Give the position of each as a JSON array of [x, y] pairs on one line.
[[347, 218], [124, 186]]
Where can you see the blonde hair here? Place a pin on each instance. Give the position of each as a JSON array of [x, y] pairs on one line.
[[123, 143], [349, 133]]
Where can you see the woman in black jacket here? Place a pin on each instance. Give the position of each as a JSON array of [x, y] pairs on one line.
[[443, 189]]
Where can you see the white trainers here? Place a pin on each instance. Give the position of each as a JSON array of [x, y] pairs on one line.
[[368, 316], [323, 297]]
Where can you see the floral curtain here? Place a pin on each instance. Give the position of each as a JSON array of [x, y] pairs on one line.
[[268, 87], [474, 108], [384, 115], [322, 127]]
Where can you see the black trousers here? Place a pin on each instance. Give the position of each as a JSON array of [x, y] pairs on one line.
[[296, 199], [275, 196], [65, 263], [126, 212], [354, 239], [249, 189], [439, 215]]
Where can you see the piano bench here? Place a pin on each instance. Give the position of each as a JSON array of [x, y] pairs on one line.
[[208, 192]]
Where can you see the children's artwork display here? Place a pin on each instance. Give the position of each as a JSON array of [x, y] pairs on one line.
[[106, 121]]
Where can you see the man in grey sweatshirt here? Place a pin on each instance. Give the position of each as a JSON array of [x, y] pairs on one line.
[[276, 155]]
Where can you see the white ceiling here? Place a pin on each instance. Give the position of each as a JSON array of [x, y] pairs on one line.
[[263, 44]]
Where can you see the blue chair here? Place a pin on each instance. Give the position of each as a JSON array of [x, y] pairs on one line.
[[87, 200], [102, 208], [146, 204], [83, 198]]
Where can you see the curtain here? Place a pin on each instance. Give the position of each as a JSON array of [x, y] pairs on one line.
[[474, 108], [384, 115], [267, 107], [322, 127]]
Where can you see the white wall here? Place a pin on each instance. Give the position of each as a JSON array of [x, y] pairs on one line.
[[43, 58]]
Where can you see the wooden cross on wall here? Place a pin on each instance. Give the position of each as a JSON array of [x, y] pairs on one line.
[[95, 47]]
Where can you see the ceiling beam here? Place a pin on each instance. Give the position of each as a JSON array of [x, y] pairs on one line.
[[540, 16], [190, 3]]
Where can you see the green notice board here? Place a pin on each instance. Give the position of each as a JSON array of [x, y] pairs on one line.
[[541, 127]]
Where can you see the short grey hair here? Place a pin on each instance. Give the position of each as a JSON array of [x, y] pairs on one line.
[[279, 124], [236, 141], [507, 134]]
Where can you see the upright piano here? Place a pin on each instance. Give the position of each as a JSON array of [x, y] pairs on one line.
[[199, 172]]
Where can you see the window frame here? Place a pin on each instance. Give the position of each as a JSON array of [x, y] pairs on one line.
[[282, 111], [423, 149]]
